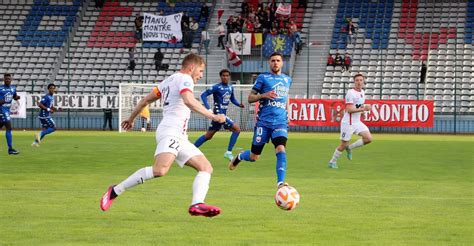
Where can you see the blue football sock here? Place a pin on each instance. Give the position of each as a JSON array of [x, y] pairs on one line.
[[245, 156], [233, 140], [281, 166], [46, 132], [200, 141], [8, 134]]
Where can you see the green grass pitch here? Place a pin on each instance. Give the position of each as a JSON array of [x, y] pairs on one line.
[[399, 190]]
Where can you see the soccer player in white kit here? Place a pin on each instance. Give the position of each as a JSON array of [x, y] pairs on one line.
[[176, 94], [351, 124]]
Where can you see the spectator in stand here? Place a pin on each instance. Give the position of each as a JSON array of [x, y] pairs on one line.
[[266, 23], [347, 63], [298, 42], [338, 59], [187, 36], [205, 11], [258, 26], [350, 30], [424, 68], [330, 61], [274, 31], [240, 23], [228, 25], [158, 58], [193, 25], [99, 4], [184, 20], [220, 29], [138, 26], [205, 40], [131, 58], [250, 27], [302, 3], [282, 25], [292, 27]]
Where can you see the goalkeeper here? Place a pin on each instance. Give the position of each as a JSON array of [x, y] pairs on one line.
[[223, 94]]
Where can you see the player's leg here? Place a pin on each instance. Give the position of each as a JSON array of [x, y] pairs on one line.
[[279, 141], [165, 154], [346, 135], [213, 128], [48, 127], [362, 130], [261, 135], [235, 129], [9, 137], [193, 157]]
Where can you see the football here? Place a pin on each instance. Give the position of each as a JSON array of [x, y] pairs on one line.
[[287, 198]]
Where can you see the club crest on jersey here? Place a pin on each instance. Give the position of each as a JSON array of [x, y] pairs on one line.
[[281, 89], [187, 83]]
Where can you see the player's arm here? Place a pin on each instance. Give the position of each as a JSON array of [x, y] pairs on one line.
[[234, 100], [204, 96], [255, 96], [196, 106], [41, 106], [16, 97], [148, 99]]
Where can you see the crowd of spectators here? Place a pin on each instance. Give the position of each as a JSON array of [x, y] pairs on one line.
[[263, 19], [345, 63]]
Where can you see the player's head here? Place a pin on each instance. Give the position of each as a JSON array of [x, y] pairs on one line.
[[276, 62], [7, 79], [193, 65], [51, 88], [225, 76], [359, 81]]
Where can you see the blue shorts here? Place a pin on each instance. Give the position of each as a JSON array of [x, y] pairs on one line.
[[263, 134], [216, 126], [5, 117], [47, 123]]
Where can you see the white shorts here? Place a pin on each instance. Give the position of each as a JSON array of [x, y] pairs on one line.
[[181, 148], [348, 130]]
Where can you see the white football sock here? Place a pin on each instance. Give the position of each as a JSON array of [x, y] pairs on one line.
[[200, 187], [336, 155], [139, 177], [356, 144]]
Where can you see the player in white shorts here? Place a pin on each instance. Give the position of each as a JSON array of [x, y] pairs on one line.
[[351, 124], [177, 98]]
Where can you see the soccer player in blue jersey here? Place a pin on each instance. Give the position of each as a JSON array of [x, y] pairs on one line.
[[271, 91], [47, 108], [223, 94], [7, 95]]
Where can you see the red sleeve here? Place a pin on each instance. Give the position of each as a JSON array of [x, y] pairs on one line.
[[184, 90]]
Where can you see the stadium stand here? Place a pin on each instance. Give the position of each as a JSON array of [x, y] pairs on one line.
[[33, 37], [99, 57], [392, 41], [68, 43]]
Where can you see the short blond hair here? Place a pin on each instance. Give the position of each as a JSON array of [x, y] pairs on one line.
[[192, 59]]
